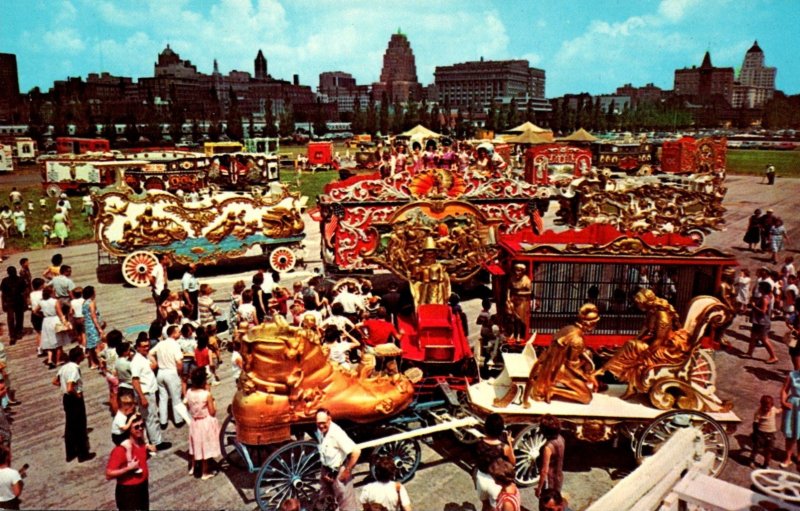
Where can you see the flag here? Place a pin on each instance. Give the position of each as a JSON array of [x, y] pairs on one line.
[[538, 223], [330, 228]]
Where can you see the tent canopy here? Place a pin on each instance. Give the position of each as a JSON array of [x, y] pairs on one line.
[[579, 135], [528, 126], [420, 131], [529, 137]]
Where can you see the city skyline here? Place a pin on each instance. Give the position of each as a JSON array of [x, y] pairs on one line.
[[581, 48]]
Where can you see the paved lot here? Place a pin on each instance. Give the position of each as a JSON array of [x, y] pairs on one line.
[[443, 481]]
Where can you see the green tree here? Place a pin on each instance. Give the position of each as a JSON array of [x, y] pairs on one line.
[[398, 118], [371, 123], [214, 132], [383, 115], [235, 130], [359, 123], [286, 127], [132, 133], [269, 120]]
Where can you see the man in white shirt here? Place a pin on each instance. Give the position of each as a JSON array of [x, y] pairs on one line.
[[339, 454], [168, 357], [352, 304], [190, 287], [144, 384], [158, 279], [76, 436]]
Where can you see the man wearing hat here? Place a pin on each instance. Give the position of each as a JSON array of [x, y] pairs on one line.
[[769, 173]]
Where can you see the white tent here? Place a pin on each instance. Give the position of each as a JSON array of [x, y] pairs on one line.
[[420, 131]]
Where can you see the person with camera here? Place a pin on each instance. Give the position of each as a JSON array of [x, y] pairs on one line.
[[496, 444], [339, 454]]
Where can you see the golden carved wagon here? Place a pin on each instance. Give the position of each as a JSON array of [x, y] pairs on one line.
[[134, 229]]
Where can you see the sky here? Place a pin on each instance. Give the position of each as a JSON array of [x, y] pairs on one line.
[[583, 46]]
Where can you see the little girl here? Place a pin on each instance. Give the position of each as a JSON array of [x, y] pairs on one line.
[[764, 429], [204, 428]]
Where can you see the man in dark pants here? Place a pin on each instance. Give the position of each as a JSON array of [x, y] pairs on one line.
[[14, 303], [76, 437]]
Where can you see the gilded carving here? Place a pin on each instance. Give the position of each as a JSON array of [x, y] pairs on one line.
[[287, 376]]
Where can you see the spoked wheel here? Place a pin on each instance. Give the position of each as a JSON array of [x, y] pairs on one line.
[[460, 412], [777, 483], [227, 441], [527, 448], [405, 454], [282, 259], [227, 438], [293, 471], [138, 267], [714, 438], [53, 190]]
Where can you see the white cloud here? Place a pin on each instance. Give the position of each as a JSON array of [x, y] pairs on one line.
[[625, 51], [65, 40], [675, 10]]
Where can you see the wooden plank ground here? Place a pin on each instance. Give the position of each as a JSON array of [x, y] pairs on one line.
[[54, 484]]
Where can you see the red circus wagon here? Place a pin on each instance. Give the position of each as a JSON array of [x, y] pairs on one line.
[[606, 266]]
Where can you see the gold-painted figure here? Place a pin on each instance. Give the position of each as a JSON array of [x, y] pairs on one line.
[[518, 302], [431, 282], [565, 369], [660, 342]]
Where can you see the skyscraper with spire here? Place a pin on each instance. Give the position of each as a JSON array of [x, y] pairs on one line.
[[261, 66], [756, 82], [399, 73]]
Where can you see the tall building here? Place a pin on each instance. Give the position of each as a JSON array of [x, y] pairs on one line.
[[650, 93], [261, 66], [341, 88], [9, 85], [704, 82], [756, 83], [482, 82], [399, 73]]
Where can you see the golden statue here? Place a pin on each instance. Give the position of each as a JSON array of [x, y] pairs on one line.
[[727, 295], [565, 369], [518, 302], [431, 282], [286, 377], [659, 343]]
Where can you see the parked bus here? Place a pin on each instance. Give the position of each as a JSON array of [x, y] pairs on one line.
[[74, 145], [262, 145], [214, 148]]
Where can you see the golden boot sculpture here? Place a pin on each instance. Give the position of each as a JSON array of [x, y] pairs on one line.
[[287, 377]]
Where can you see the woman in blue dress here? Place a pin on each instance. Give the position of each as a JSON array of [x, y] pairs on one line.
[[790, 399], [93, 326]]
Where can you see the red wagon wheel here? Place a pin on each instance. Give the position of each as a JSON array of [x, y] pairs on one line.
[[282, 259], [137, 268]]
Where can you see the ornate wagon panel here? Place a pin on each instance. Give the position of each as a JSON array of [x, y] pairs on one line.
[[352, 210], [222, 226]]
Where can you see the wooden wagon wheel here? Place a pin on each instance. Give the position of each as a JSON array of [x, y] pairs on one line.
[[138, 267], [282, 259], [527, 448], [658, 432], [293, 471], [53, 190], [777, 483], [227, 438], [406, 454]]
